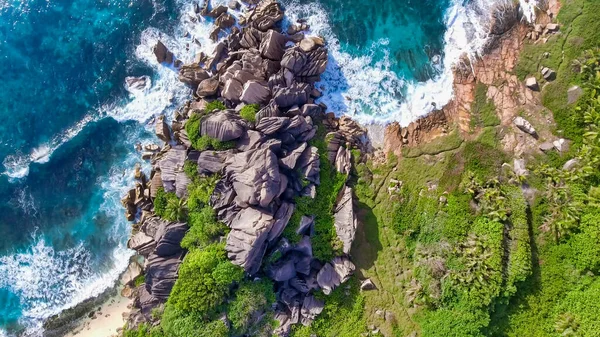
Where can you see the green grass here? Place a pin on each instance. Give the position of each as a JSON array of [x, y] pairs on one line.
[[325, 242], [248, 112], [441, 144], [483, 110], [579, 31]]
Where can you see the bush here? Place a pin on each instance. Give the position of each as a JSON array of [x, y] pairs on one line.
[[191, 169], [251, 298], [204, 229], [168, 206], [205, 277], [248, 112], [138, 281], [214, 105], [519, 262]]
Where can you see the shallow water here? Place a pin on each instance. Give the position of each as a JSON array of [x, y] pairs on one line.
[[68, 126]]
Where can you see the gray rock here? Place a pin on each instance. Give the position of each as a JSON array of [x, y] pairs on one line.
[[296, 94], [210, 162], [255, 176], [282, 270], [532, 84], [223, 126], [282, 218], [131, 273], [255, 93], [272, 45], [225, 21], [208, 87], [307, 44], [561, 145], [343, 159], [311, 308], [345, 220], [571, 164], [192, 75], [141, 243], [306, 224], [162, 129], [289, 162], [271, 110], [247, 241], [135, 84], [316, 63], [266, 14], [549, 74], [233, 4], [335, 273], [270, 125], [367, 285], [304, 247], [163, 55], [181, 183], [171, 164], [294, 60], [547, 146], [519, 168], [525, 126], [232, 90], [573, 94]]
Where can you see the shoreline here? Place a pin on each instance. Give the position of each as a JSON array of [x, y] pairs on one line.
[[109, 318]]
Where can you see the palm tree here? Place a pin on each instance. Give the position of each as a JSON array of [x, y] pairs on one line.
[[176, 209]]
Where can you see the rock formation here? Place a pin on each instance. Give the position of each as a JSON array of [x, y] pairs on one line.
[[270, 164]]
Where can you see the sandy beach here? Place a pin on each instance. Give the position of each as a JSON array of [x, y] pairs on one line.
[[106, 321]]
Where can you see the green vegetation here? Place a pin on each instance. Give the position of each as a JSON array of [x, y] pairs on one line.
[[325, 242], [169, 207], [580, 31], [201, 143], [343, 315], [446, 143], [248, 112], [138, 281], [250, 298], [483, 110], [214, 105]]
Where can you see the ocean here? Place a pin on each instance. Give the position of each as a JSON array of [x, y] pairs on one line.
[[69, 127]]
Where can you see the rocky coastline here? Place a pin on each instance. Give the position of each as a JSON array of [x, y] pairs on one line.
[[271, 161]]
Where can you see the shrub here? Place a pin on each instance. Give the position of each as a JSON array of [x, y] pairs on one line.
[[141, 279], [167, 205], [251, 298], [204, 228], [483, 110], [214, 105], [191, 169], [205, 277], [248, 112]]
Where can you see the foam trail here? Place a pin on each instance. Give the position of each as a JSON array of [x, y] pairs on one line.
[[17, 166]]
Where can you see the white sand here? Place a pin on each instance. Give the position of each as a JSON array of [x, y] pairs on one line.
[[107, 320]]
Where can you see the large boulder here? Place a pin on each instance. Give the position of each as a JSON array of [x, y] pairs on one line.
[[296, 94], [272, 45], [294, 60], [345, 221], [170, 164], [290, 160], [210, 162], [255, 92], [266, 15], [311, 307], [255, 176], [232, 90], [270, 125], [251, 38], [282, 217], [162, 53], [192, 75], [225, 21], [343, 160], [247, 241], [136, 84], [335, 273], [316, 63], [162, 129], [525, 126], [223, 126], [208, 87]]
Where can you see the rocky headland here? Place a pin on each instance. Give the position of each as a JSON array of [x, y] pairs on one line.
[[272, 158]]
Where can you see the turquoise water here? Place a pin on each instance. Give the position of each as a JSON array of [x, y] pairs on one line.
[[69, 127]]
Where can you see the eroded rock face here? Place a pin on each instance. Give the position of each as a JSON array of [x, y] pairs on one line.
[[335, 273], [210, 162], [255, 176], [247, 241], [266, 15], [171, 164], [192, 75], [162, 53], [345, 220], [223, 126]]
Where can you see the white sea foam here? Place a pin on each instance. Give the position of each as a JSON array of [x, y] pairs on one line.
[[368, 90], [17, 166]]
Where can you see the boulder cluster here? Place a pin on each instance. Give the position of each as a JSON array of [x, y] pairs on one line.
[[271, 161]]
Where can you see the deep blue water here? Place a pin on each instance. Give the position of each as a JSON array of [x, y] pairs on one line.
[[68, 126]]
